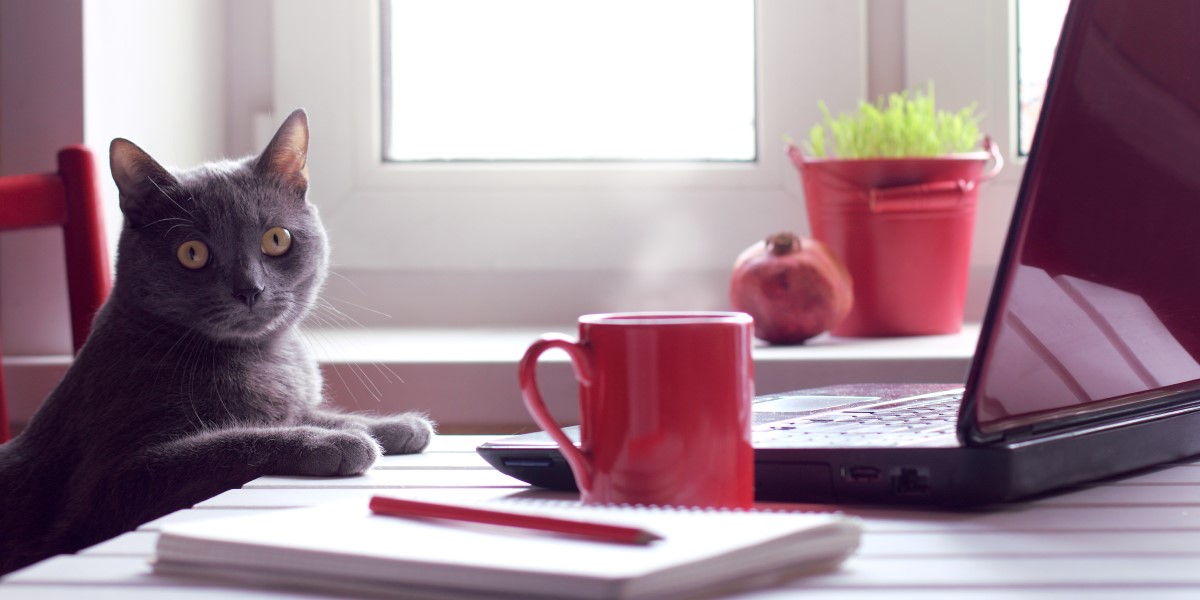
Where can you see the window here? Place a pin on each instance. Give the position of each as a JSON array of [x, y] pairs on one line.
[[437, 236], [669, 80], [611, 229], [1038, 25]]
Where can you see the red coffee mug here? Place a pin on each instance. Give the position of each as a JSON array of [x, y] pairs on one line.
[[665, 407]]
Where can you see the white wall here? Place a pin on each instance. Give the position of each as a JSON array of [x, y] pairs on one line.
[[885, 53], [154, 73], [41, 110], [161, 74], [248, 74]]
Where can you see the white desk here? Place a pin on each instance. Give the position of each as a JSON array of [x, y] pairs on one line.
[[1132, 538]]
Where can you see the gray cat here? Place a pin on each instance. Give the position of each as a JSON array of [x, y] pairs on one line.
[[194, 379]]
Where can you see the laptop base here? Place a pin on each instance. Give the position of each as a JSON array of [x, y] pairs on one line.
[[951, 475]]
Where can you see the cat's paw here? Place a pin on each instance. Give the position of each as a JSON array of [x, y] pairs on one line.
[[337, 453], [408, 433]]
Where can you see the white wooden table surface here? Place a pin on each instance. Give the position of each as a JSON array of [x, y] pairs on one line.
[[1137, 537]]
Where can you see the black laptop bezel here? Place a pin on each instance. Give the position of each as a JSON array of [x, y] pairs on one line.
[[969, 432]]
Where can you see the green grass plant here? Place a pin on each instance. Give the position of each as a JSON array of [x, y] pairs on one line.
[[908, 124]]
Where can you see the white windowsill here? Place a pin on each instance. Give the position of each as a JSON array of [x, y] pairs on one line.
[[466, 379]]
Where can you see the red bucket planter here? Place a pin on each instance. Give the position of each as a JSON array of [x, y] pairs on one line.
[[903, 228]]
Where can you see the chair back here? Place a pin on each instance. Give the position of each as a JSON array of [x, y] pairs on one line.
[[69, 199]]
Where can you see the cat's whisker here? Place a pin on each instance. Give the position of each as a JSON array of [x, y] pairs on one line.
[[341, 318], [186, 334], [348, 280], [339, 313], [318, 307], [345, 385], [361, 307], [153, 223], [169, 229], [192, 355], [217, 388], [360, 369], [385, 370], [190, 335], [168, 197], [362, 376]]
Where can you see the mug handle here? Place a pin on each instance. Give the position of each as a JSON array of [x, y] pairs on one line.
[[580, 360]]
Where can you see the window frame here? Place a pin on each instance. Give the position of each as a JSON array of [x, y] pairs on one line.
[[625, 238], [594, 216], [978, 53]]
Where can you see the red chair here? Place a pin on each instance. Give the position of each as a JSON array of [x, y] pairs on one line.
[[69, 198]]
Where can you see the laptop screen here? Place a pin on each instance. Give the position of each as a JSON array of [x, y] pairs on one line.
[[1098, 301]]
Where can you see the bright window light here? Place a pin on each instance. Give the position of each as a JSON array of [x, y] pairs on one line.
[[569, 80], [1038, 25]]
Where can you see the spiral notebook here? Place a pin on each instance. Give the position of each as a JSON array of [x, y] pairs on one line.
[[343, 548]]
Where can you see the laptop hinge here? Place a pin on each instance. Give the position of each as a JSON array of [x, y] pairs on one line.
[[1019, 434]]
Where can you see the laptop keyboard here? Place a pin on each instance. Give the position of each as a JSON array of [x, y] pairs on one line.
[[898, 423]]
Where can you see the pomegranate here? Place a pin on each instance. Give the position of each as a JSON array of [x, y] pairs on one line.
[[794, 288]]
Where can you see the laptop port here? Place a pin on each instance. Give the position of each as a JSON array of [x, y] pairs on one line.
[[911, 482], [861, 474], [527, 463]]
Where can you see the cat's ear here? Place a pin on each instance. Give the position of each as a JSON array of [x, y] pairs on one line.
[[286, 157], [144, 184]]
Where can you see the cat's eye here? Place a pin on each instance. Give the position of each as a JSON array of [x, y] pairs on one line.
[[192, 254], [276, 241]]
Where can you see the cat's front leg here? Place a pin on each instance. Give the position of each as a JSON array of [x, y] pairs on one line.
[[180, 472], [405, 433], [320, 452], [256, 451]]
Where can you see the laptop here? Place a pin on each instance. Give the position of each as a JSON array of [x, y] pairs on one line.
[[1088, 361]]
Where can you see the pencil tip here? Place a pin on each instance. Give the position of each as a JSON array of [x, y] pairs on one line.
[[645, 537]]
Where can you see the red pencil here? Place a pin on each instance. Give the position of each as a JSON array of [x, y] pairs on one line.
[[397, 507]]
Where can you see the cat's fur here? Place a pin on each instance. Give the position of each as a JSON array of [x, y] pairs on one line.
[[187, 388]]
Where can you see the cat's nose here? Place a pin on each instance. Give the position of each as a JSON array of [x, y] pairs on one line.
[[248, 295]]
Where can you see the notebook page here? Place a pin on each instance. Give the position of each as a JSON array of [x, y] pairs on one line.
[[346, 540]]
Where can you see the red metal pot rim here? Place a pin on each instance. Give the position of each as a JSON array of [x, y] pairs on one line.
[[990, 151], [977, 155]]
